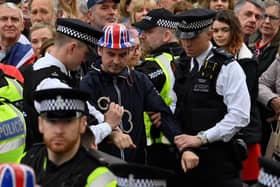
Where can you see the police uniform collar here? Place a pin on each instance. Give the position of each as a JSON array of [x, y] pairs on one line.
[[55, 62], [171, 48], [203, 56]]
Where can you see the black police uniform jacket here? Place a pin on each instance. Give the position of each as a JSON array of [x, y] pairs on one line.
[[135, 92], [199, 107], [72, 173], [150, 68], [31, 80]]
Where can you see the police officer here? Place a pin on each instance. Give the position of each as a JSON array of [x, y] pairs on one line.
[[213, 105], [73, 41], [62, 161], [159, 41], [269, 174], [12, 123]]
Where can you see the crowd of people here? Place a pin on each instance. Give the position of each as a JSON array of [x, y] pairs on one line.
[[176, 92]]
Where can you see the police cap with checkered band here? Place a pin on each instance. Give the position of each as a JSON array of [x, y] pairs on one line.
[[160, 17], [193, 22], [79, 30], [269, 174], [61, 103]]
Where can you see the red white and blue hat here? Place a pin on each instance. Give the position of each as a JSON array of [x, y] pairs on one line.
[[16, 175], [115, 36]]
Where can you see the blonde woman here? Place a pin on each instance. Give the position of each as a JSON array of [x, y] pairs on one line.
[[140, 8], [68, 8]]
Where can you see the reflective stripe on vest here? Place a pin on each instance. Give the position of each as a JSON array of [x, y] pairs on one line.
[[12, 133], [101, 177], [167, 93]]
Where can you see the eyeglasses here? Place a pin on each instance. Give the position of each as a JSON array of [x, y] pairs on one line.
[[272, 18]]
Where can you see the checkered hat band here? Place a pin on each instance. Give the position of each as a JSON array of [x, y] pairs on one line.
[[195, 25], [268, 179], [167, 24], [76, 34], [62, 104], [123, 182]]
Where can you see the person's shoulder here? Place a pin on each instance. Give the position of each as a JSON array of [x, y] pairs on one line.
[[223, 53], [91, 77], [221, 56], [137, 74], [33, 153]]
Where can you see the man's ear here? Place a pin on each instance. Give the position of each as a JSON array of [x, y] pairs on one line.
[[70, 47], [166, 36], [41, 126], [21, 26], [100, 51], [83, 124], [210, 34]]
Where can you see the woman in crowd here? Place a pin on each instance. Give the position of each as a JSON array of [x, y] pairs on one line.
[[68, 8], [265, 45], [40, 32], [136, 51], [228, 35], [124, 10], [218, 5], [140, 8]]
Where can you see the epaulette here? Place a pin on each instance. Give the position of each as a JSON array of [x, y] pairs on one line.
[[103, 158], [222, 55]]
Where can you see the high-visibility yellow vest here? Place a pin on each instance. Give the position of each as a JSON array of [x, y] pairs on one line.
[[167, 93], [101, 176], [12, 123]]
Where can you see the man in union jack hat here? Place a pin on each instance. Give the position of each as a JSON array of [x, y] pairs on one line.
[[115, 82]]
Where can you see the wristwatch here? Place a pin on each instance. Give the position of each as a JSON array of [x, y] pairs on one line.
[[202, 136]]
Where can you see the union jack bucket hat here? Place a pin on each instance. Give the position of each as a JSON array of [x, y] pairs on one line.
[[115, 36], [16, 175]]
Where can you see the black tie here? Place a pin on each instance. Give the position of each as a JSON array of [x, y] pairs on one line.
[[195, 66]]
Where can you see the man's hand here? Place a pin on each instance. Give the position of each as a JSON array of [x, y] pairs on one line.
[[189, 160], [122, 140], [155, 118], [275, 104], [114, 115], [183, 141]]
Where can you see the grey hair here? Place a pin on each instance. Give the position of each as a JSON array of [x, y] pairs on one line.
[[240, 3], [14, 7]]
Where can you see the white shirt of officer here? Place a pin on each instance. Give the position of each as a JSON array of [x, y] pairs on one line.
[[101, 130], [231, 84]]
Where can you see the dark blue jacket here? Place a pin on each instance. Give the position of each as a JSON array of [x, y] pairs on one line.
[[136, 93]]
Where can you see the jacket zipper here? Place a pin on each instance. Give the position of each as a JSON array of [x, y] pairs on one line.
[[120, 103]]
